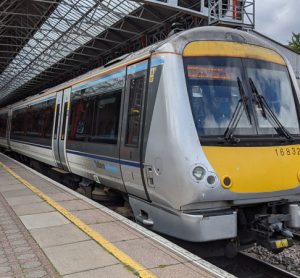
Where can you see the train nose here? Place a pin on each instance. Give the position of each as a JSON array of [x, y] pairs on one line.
[[247, 170]]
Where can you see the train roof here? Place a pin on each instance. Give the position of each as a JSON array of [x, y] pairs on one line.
[[175, 43], [212, 33]]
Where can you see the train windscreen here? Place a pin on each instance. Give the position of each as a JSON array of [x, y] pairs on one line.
[[272, 81], [251, 96]]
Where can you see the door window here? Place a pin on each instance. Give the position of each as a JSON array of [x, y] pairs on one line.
[[134, 111]]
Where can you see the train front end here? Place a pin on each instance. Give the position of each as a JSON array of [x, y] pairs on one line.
[[246, 112]]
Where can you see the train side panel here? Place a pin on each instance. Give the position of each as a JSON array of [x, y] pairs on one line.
[[93, 136], [41, 154], [172, 137]]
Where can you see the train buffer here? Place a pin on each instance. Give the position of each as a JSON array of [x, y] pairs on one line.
[[48, 230]]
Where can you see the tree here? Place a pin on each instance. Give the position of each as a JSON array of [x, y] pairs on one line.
[[295, 43]]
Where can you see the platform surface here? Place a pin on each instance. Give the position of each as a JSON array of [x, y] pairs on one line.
[[38, 240]]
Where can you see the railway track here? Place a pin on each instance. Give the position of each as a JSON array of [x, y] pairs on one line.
[[248, 266], [262, 268], [259, 268]]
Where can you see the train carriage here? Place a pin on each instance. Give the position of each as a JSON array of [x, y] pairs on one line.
[[199, 132]]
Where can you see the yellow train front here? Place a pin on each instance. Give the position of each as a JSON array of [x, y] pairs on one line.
[[246, 112]]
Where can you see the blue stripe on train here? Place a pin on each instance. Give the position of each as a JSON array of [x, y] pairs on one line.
[[94, 156], [98, 81], [109, 159]]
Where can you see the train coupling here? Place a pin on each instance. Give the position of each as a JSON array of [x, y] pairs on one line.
[[271, 232]]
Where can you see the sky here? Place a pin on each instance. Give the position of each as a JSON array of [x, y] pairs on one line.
[[277, 19]]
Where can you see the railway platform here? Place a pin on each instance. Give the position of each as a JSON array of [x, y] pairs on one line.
[[48, 230]]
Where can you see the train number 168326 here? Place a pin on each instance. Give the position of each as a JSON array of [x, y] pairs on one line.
[[287, 151]]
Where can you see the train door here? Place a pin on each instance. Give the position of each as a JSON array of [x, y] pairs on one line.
[[60, 128], [130, 148]]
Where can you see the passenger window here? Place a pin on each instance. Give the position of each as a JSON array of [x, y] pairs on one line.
[[3, 124], [34, 123], [20, 125], [81, 121], [134, 111], [96, 118], [107, 114], [48, 118]]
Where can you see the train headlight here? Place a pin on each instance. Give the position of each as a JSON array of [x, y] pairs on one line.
[[199, 173]]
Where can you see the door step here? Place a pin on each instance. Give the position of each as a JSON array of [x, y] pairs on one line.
[[60, 170]]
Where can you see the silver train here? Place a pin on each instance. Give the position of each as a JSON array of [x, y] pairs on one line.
[[199, 132]]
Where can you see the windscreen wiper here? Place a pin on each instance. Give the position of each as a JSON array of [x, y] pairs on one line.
[[237, 114], [266, 110]]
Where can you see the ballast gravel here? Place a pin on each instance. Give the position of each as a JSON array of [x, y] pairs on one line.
[[288, 259]]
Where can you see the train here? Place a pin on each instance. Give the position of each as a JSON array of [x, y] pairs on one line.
[[198, 133]]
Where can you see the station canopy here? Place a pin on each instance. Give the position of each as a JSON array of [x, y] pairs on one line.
[[46, 42]]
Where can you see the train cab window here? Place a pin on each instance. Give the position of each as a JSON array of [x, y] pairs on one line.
[[213, 86], [3, 124], [273, 82], [134, 111], [224, 94], [106, 121]]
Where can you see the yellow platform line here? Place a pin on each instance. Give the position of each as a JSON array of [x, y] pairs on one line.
[[116, 252]]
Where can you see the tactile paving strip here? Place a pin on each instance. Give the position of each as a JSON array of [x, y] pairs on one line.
[[20, 256]]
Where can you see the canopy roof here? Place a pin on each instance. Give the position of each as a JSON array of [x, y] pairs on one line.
[[46, 42]]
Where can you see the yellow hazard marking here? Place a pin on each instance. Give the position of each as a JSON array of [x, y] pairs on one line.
[[281, 243], [120, 255]]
